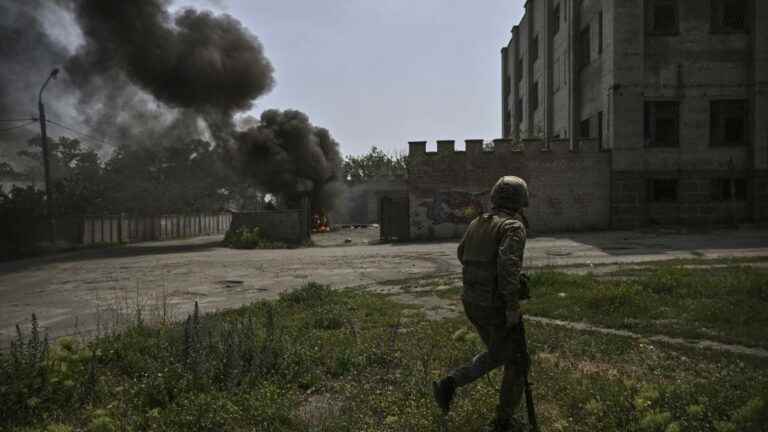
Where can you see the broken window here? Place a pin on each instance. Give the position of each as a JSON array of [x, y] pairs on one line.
[[729, 189], [584, 48], [662, 128], [600, 128], [600, 32], [662, 17], [535, 49], [556, 20], [729, 16], [535, 96], [662, 190], [728, 123], [585, 129]]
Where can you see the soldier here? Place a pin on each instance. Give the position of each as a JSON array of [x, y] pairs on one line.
[[491, 253]]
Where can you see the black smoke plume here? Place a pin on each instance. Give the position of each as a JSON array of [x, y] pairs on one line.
[[145, 76], [285, 152]]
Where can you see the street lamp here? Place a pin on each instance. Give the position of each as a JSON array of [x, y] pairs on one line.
[[46, 162]]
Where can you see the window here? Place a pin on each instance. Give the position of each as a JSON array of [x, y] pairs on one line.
[[556, 20], [519, 110], [728, 123], [600, 128], [662, 190], [535, 96], [535, 49], [600, 32], [585, 47], [729, 16], [728, 189], [662, 124], [584, 129], [662, 17], [519, 69]]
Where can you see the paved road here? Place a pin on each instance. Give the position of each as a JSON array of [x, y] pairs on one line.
[[100, 288]]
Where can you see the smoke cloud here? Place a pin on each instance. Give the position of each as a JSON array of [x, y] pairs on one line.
[[143, 75], [285, 152]]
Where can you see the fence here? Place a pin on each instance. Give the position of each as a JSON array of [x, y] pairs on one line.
[[125, 229]]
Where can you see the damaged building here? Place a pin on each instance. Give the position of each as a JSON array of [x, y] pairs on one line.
[[619, 114], [674, 90]]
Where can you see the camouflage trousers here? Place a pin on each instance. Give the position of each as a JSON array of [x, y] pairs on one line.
[[502, 349]]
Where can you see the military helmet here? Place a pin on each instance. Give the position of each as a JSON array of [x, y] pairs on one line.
[[510, 192]]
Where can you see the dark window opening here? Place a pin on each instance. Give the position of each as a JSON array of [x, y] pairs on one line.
[[600, 128], [556, 20], [519, 69], [729, 190], [600, 32], [729, 16], [728, 123], [662, 127], [662, 190], [535, 96], [585, 129], [663, 18], [535, 49], [585, 47], [519, 110]]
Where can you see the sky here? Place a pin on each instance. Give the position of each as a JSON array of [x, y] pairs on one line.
[[382, 73]]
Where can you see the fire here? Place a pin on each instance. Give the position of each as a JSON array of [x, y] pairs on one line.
[[320, 223]]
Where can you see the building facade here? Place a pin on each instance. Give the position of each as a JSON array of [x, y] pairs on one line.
[[676, 91]]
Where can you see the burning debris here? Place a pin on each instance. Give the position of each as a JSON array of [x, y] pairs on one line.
[[320, 223], [144, 75]]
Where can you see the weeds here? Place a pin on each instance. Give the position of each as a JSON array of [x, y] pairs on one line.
[[354, 363], [250, 238]]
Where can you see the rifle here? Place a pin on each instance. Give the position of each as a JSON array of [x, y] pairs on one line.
[[528, 392]]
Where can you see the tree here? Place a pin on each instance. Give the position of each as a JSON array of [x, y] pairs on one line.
[[359, 169]]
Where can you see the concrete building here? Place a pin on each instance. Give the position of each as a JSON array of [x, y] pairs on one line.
[[676, 91]]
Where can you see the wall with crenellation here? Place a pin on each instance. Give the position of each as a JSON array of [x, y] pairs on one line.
[[569, 189]]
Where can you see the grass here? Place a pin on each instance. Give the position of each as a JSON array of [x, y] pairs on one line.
[[324, 360], [726, 303]]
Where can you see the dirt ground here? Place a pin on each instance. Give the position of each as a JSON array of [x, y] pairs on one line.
[[98, 289]]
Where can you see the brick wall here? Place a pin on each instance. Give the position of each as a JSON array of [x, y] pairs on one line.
[[570, 190]]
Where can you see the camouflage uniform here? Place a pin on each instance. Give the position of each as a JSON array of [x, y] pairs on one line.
[[491, 253]]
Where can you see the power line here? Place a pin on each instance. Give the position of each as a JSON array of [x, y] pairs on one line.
[[96, 140], [18, 126]]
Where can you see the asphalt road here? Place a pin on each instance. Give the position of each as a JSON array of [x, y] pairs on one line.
[[101, 289]]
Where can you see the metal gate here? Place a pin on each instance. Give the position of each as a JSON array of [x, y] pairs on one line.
[[394, 218]]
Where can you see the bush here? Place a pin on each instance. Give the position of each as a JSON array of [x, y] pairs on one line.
[[250, 238]]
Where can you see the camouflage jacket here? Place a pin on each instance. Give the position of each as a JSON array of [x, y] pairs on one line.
[[491, 253]]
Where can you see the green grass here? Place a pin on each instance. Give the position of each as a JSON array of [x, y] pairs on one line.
[[326, 360], [728, 304]]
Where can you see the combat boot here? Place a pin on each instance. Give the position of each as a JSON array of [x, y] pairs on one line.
[[444, 391]]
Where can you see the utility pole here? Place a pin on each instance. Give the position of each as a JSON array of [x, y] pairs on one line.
[[46, 160]]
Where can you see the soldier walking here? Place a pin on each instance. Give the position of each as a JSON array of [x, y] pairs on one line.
[[491, 253]]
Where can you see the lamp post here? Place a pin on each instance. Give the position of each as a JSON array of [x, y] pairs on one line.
[[46, 161]]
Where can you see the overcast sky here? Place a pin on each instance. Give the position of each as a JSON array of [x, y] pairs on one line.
[[382, 73]]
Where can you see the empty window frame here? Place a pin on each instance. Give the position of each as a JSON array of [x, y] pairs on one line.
[[662, 190], [724, 189], [535, 96], [519, 71], [600, 32], [585, 128], [585, 48], [519, 110], [662, 124], [728, 123], [600, 128], [556, 20], [662, 17], [535, 49], [729, 16]]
